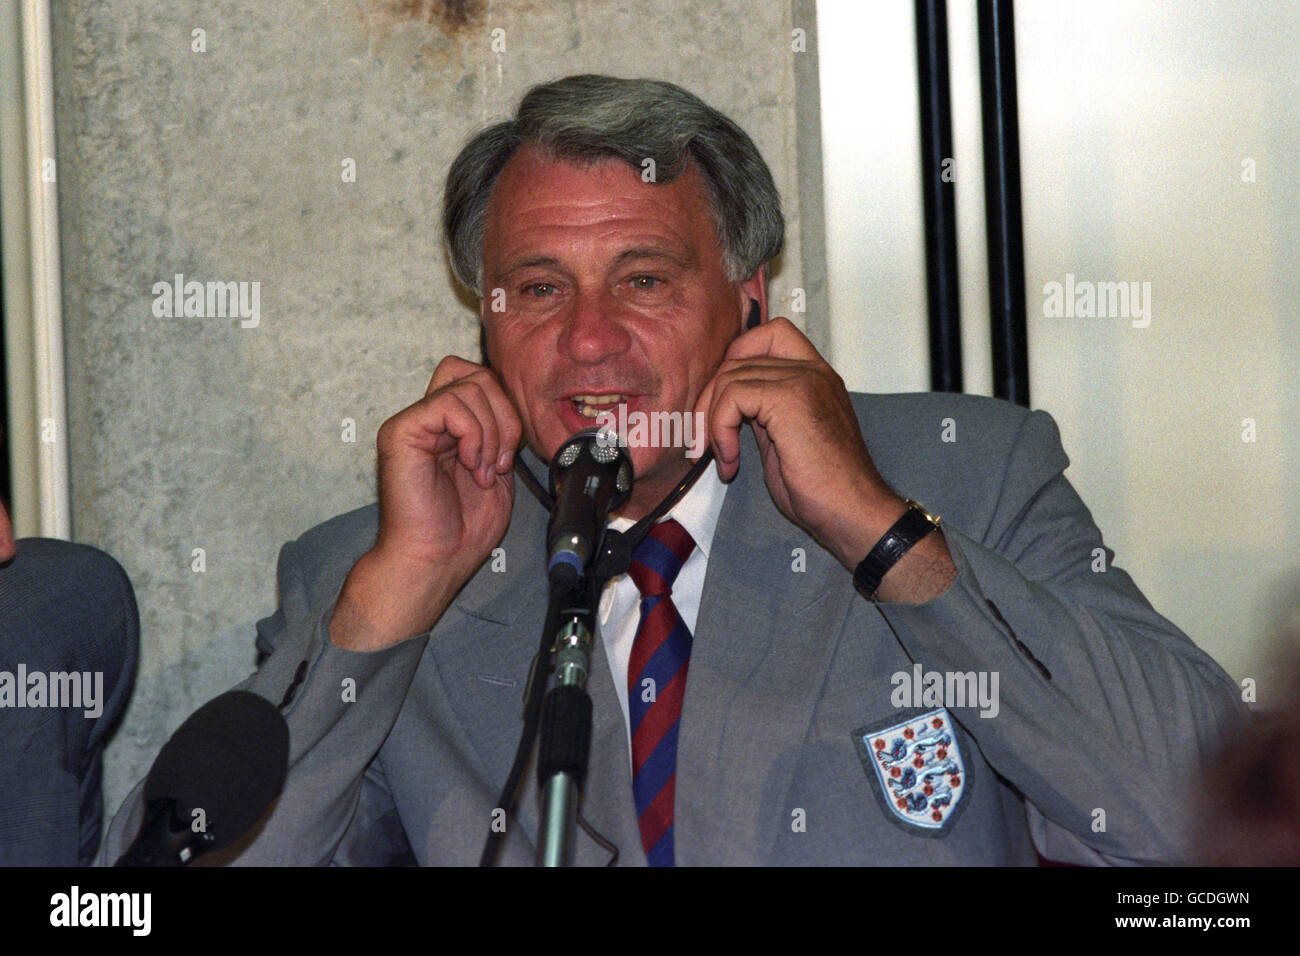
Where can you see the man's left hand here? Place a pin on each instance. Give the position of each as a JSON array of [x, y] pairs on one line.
[[815, 462]]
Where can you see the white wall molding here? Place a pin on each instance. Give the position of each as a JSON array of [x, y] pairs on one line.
[[32, 280]]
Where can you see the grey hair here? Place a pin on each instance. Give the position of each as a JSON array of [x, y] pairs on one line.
[[588, 118]]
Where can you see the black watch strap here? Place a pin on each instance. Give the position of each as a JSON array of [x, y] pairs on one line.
[[889, 550]]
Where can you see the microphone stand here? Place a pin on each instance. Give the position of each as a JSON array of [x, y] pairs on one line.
[[565, 735], [564, 742]]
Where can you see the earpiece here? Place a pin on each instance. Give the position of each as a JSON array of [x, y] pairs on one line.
[[755, 315]]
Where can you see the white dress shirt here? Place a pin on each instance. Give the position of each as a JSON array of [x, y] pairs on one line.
[[620, 605]]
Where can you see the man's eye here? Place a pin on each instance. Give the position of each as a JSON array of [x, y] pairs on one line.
[[645, 283], [539, 289]]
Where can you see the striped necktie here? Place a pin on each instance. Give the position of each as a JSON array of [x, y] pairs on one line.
[[656, 684]]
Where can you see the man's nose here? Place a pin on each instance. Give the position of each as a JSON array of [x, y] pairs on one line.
[[592, 331]]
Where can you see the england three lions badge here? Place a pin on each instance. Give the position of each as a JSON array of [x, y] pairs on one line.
[[918, 767]]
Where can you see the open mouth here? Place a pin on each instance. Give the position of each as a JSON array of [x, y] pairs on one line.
[[590, 406]]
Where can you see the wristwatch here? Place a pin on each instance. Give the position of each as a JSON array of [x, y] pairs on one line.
[[915, 524]]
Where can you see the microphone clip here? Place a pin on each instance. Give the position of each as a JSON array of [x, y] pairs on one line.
[[614, 556]]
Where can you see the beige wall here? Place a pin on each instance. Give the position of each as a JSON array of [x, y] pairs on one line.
[[1158, 145], [226, 165]]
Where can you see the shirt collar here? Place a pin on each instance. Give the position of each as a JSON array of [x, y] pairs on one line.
[[697, 511]]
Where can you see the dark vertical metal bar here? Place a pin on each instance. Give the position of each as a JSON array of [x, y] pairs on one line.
[[938, 183], [1002, 210]]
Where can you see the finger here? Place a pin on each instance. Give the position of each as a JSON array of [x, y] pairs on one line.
[[475, 397], [704, 404], [734, 400], [432, 427], [768, 367], [777, 338], [452, 416], [509, 424], [773, 371], [451, 368]]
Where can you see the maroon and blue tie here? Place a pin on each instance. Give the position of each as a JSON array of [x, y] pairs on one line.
[[656, 683]]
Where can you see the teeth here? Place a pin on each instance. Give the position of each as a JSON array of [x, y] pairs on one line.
[[589, 406]]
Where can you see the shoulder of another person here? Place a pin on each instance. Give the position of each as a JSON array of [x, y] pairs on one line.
[[51, 562]]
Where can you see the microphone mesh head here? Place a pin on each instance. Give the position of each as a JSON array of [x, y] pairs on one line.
[[603, 453], [568, 454]]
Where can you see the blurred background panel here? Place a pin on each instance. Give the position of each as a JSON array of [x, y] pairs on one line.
[[1159, 144]]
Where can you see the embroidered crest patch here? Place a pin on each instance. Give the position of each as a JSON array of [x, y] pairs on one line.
[[918, 766]]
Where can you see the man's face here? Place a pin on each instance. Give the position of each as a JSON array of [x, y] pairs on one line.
[[613, 290]]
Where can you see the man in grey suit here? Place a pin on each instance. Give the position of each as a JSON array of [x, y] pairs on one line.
[[863, 685]]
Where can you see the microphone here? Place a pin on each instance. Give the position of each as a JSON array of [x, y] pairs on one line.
[[591, 475], [212, 781]]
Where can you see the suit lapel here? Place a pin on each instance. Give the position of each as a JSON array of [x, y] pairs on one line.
[[607, 803], [764, 639]]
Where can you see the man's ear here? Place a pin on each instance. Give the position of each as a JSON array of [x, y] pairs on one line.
[[754, 289]]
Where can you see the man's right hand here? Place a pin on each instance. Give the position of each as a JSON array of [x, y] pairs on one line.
[[445, 494]]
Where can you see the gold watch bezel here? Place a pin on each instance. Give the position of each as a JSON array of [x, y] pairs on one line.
[[933, 519]]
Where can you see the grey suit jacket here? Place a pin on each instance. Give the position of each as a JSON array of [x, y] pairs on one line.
[[1104, 706]]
